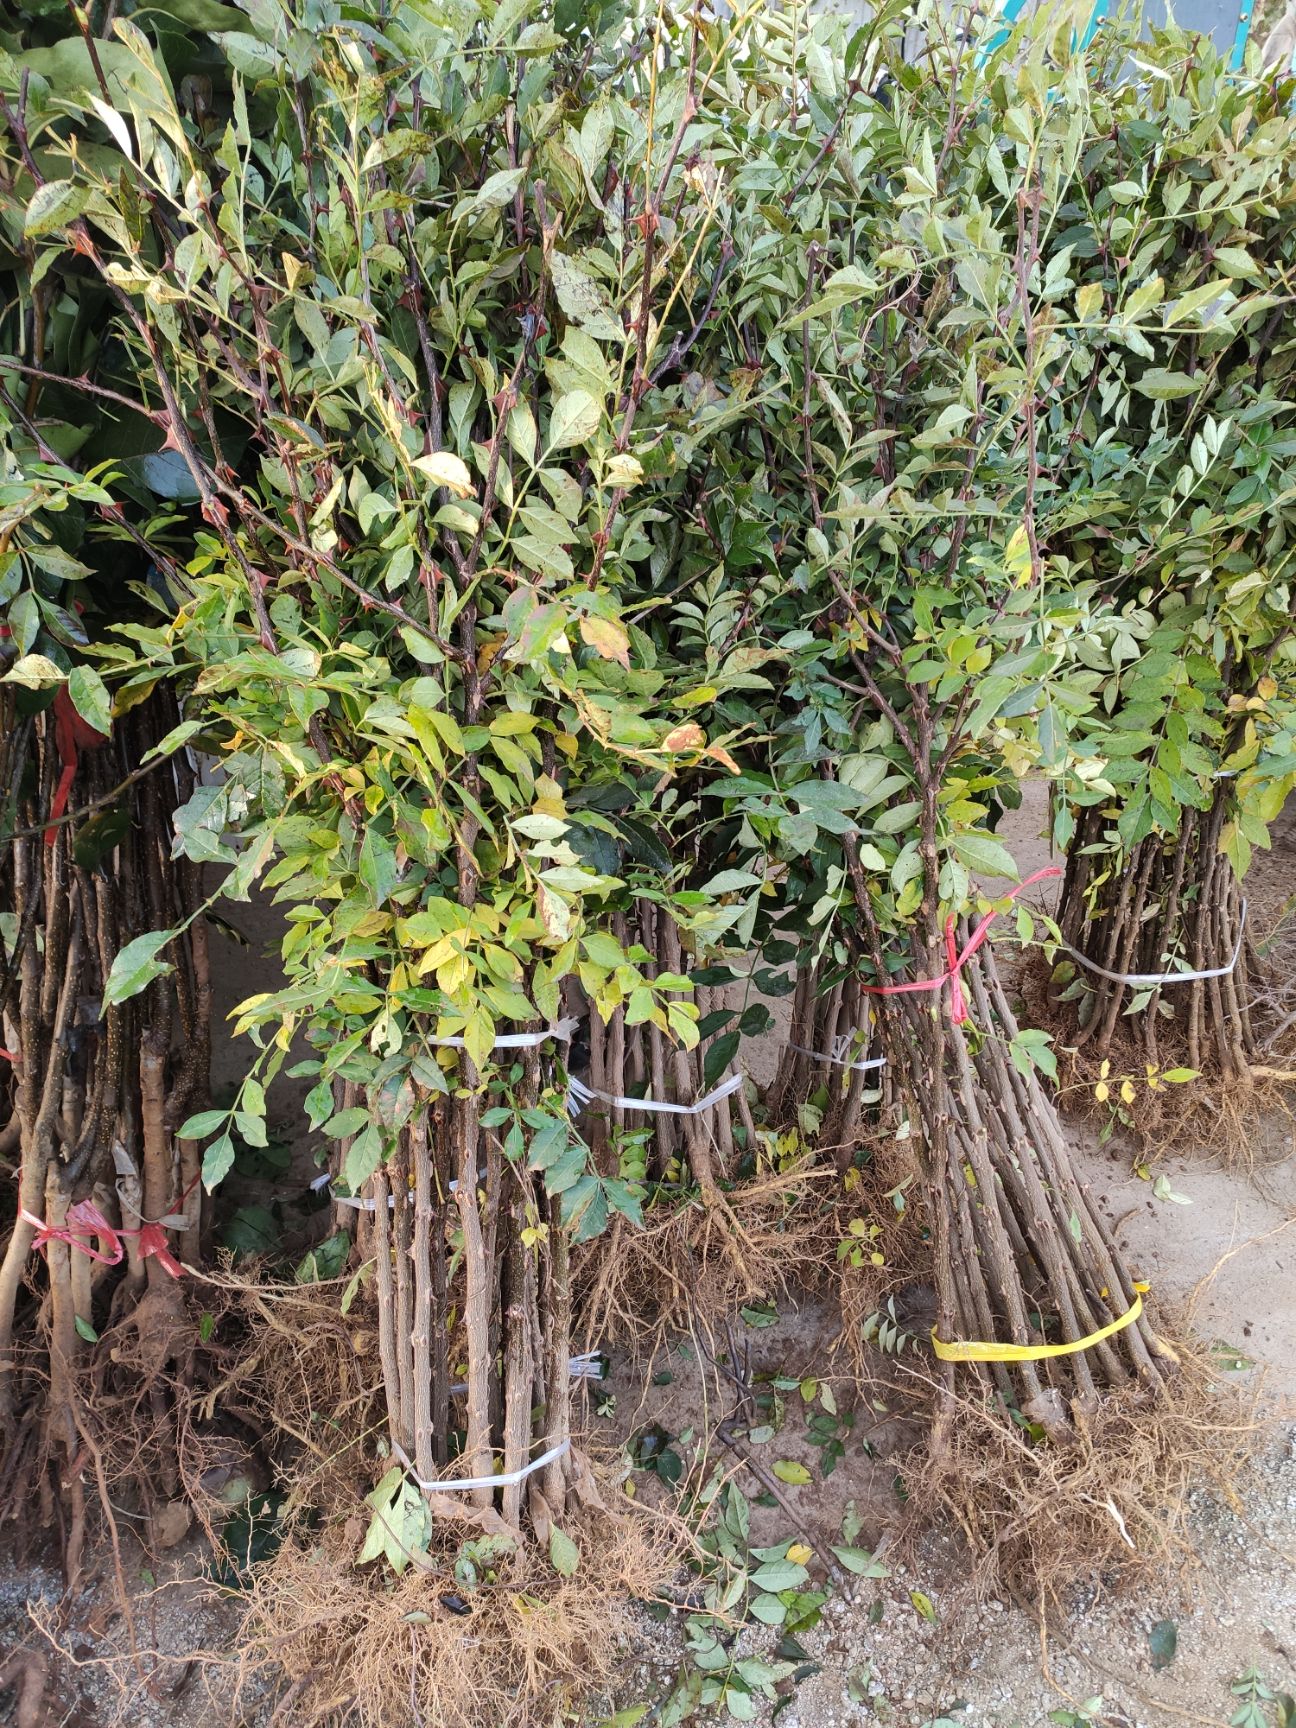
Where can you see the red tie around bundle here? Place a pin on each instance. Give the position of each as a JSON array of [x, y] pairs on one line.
[[955, 961], [85, 1220], [72, 734]]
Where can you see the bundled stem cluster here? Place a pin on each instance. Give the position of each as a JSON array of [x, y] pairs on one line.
[[101, 1088]]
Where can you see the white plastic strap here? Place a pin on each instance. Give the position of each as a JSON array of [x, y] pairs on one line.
[[1149, 978], [470, 1482], [561, 1030], [581, 1095], [840, 1057], [369, 1204], [586, 1367]]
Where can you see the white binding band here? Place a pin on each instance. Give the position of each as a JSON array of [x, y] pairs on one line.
[[581, 1095], [840, 1057], [561, 1030], [368, 1203], [470, 1482], [1149, 978], [586, 1367]]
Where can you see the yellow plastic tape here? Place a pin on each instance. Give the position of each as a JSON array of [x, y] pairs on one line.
[[974, 1352]]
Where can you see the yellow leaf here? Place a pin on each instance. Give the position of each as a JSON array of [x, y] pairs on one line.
[[607, 638], [722, 755], [454, 974], [488, 651], [799, 1554], [1127, 1091], [447, 470], [1017, 557], [1267, 688], [1102, 1091], [1088, 300], [688, 737], [555, 913], [624, 470], [479, 1036]]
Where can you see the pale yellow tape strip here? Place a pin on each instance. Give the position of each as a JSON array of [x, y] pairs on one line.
[[974, 1352]]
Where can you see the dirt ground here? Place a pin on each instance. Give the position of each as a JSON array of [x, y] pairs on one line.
[[1222, 1252], [983, 1664], [1221, 1257]]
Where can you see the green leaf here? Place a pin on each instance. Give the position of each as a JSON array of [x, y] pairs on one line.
[[218, 1161], [72, 72], [25, 621], [987, 856], [1165, 386], [250, 57], [200, 1126], [758, 1316], [493, 194], [778, 1575], [575, 419], [787, 1470], [583, 299], [843, 288], [401, 1525], [718, 1056], [353, 1288], [768, 1609], [564, 1555], [363, 1157], [54, 205], [1163, 1640], [861, 1563], [378, 870], [345, 1122], [923, 1605], [85, 1329], [136, 966]]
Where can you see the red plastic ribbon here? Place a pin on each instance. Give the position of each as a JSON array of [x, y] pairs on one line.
[[85, 1220], [72, 734], [955, 961], [152, 1240], [89, 1221]]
